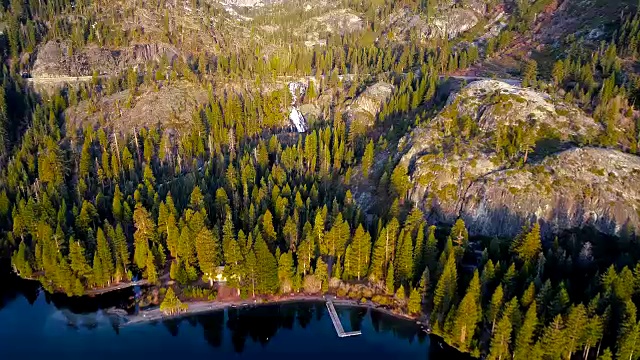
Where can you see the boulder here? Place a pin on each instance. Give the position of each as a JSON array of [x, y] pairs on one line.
[[368, 104]]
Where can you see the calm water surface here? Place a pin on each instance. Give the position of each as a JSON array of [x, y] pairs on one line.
[[34, 324]]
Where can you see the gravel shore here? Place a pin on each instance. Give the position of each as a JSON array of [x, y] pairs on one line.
[[200, 307]]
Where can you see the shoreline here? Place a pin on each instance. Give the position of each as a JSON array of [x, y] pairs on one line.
[[202, 307]]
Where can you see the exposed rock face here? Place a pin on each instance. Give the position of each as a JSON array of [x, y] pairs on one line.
[[451, 23], [448, 21], [250, 3], [491, 105], [340, 21], [456, 172], [172, 106], [575, 188], [368, 104], [56, 59]]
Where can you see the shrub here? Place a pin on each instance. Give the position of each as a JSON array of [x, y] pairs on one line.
[[312, 284]]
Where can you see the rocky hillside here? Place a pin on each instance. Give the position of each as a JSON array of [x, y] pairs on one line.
[[367, 105], [57, 59], [172, 107], [501, 156]]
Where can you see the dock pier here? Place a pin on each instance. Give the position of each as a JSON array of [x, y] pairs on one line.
[[336, 321]]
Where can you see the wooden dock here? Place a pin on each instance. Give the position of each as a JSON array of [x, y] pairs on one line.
[[336, 321]]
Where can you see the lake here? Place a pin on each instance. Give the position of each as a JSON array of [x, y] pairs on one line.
[[34, 324]]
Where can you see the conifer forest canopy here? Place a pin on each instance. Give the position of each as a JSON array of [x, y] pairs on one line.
[[470, 164]]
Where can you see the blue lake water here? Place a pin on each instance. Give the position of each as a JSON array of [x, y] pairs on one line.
[[36, 325]]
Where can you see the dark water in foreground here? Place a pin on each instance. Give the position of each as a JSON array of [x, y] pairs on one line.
[[34, 324]]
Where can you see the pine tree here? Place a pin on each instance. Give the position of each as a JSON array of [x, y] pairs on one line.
[[494, 307], [467, 316], [357, 257], [526, 334], [306, 253], [390, 281], [20, 261], [576, 323], [251, 273], [530, 73], [415, 302], [606, 355], [404, 259], [384, 249], [553, 339], [322, 273], [145, 232], [173, 235], [98, 278], [171, 304], [400, 294], [501, 339], [208, 252], [459, 234], [558, 73], [267, 269], [593, 334], [419, 254], [286, 272], [152, 273], [103, 251], [431, 250], [528, 246], [78, 260], [268, 230], [367, 159], [445, 290], [120, 247], [628, 344]]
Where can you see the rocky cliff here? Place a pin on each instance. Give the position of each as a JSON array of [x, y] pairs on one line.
[[502, 157], [368, 104], [448, 21], [56, 58]]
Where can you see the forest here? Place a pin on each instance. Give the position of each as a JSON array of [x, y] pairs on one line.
[[87, 208]]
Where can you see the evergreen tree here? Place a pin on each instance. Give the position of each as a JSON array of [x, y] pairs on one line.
[[171, 304], [367, 159], [445, 290], [525, 335], [286, 272], [415, 302], [266, 269], [103, 252], [494, 307], [208, 252], [390, 281], [553, 340], [404, 260], [530, 73], [78, 260], [145, 232], [151, 272], [467, 316], [400, 294], [268, 230], [528, 246], [419, 254], [322, 273], [628, 344], [431, 250], [357, 257], [501, 339], [576, 323]]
